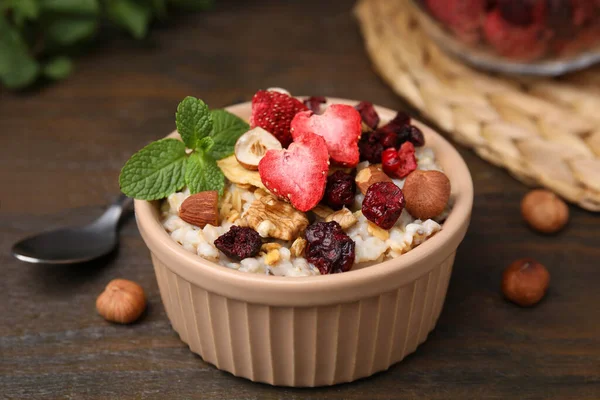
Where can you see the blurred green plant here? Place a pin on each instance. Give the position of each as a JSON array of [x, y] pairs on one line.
[[37, 36]]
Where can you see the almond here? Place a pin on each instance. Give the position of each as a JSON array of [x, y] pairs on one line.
[[426, 193], [201, 209], [370, 175]]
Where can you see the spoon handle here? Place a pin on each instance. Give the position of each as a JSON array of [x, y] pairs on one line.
[[113, 213]]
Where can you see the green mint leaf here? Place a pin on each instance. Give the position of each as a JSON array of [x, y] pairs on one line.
[[130, 15], [17, 67], [23, 10], [58, 68], [89, 7], [69, 30], [193, 120], [155, 171], [205, 144], [202, 173], [227, 128]]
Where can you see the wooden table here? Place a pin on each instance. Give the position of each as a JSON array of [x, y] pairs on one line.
[[61, 150]]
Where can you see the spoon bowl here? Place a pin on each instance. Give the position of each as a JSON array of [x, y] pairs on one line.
[[74, 245]]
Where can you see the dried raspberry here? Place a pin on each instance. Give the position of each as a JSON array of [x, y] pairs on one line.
[[390, 139], [398, 164], [314, 103], [370, 147], [368, 114], [340, 190], [329, 248], [239, 243], [383, 204]]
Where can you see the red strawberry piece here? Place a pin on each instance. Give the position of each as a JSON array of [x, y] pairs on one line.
[[398, 164], [297, 174], [314, 103], [463, 17], [368, 114], [274, 111], [521, 43], [339, 125]]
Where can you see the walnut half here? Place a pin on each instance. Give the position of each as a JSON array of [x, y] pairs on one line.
[[286, 223]]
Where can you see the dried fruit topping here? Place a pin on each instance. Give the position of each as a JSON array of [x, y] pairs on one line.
[[339, 125], [252, 146], [340, 190], [370, 147], [395, 125], [398, 164], [298, 174], [368, 114], [390, 139], [274, 111], [426, 193], [517, 12], [524, 43], [329, 248], [239, 243], [460, 16], [383, 204], [414, 134], [314, 103]]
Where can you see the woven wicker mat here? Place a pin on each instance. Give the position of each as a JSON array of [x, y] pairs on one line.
[[546, 132]]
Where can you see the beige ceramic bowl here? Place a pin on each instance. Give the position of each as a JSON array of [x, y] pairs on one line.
[[310, 331]]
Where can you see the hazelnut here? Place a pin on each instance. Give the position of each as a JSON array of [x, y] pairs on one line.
[[525, 282], [544, 211], [426, 193], [122, 301]]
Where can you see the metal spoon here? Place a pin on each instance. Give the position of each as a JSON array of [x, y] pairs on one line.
[[75, 245]]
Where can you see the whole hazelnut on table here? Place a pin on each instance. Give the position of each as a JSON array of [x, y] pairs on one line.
[[426, 193], [122, 301], [525, 282], [544, 211]]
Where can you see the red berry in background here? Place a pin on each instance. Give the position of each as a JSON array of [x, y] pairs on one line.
[[383, 204], [398, 164], [340, 190], [314, 103], [512, 41], [368, 114], [395, 125], [462, 17], [329, 248], [518, 13]]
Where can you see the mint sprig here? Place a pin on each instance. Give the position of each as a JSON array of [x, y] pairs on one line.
[[165, 166]]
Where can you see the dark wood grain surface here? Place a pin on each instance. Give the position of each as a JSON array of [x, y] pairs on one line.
[[61, 149]]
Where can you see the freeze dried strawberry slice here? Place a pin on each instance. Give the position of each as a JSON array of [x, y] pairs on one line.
[[339, 125], [520, 43], [274, 111], [297, 174]]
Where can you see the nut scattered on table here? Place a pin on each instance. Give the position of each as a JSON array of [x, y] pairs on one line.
[[201, 209], [544, 211], [525, 282], [122, 301], [426, 193], [370, 175]]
